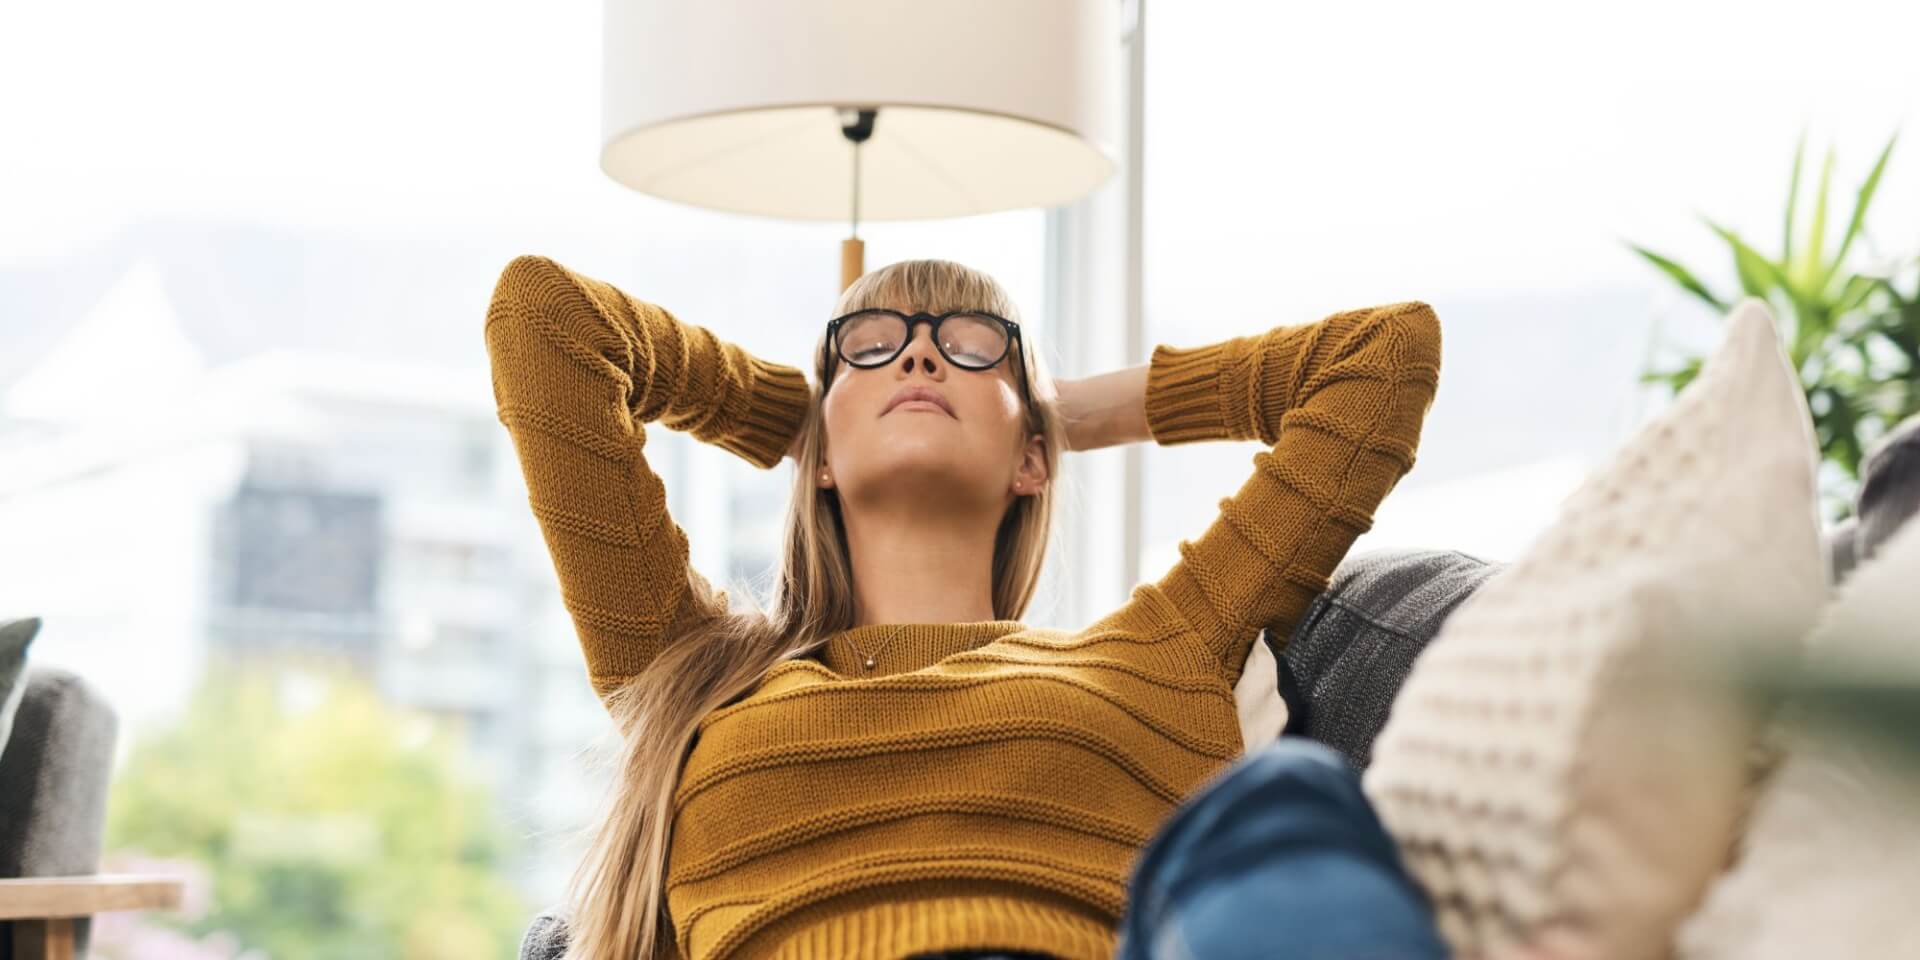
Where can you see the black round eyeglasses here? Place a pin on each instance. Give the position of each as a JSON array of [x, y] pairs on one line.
[[968, 339]]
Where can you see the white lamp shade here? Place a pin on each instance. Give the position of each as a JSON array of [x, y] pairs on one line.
[[983, 104]]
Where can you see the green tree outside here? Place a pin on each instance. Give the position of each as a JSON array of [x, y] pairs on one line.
[[333, 826]]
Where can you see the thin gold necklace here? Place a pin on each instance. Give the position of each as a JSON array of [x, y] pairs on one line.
[[867, 659]]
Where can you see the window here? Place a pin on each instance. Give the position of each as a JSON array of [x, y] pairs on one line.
[[1307, 159], [321, 273]]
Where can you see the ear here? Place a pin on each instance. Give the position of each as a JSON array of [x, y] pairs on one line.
[[1031, 475]]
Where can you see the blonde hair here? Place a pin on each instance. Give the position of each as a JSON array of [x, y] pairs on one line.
[[617, 903]]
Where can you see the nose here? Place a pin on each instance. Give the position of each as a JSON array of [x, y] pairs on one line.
[[920, 346]]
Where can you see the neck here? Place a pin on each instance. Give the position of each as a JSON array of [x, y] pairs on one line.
[[909, 567]]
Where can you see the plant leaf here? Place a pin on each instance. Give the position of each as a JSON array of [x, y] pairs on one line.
[[1853, 294], [1860, 205], [1682, 276], [1676, 378], [1758, 275], [1685, 375], [1793, 199], [1892, 292], [1810, 265]]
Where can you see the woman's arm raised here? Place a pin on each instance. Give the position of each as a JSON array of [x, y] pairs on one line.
[[578, 367], [1341, 401]]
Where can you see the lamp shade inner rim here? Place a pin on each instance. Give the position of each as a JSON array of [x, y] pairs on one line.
[[792, 161]]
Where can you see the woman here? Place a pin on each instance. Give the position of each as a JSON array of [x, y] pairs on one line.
[[887, 763]]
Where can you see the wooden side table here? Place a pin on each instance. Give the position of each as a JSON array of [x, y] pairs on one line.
[[43, 908]]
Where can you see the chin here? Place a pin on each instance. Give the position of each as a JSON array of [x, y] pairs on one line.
[[907, 439], [924, 466]]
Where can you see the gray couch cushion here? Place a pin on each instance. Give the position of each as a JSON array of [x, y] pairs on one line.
[[1346, 659], [15, 637], [1889, 496], [1889, 486]]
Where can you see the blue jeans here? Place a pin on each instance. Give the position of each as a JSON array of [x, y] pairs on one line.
[[1280, 857]]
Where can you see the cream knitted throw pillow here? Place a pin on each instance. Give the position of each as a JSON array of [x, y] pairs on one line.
[[1830, 864], [1558, 771]]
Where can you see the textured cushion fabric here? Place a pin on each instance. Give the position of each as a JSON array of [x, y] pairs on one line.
[[15, 637], [53, 777], [546, 937], [1341, 669], [53, 782], [1831, 858], [1557, 770]]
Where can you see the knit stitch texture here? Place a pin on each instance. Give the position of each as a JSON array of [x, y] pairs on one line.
[[987, 784]]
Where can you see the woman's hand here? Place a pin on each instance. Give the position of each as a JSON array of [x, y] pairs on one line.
[[1105, 410]]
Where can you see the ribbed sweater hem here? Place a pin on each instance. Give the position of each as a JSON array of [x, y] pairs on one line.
[[887, 931], [1184, 399], [777, 400]]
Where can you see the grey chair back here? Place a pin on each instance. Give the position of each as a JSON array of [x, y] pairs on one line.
[[546, 937], [53, 785]]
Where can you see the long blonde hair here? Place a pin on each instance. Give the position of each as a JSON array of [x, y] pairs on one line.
[[617, 905]]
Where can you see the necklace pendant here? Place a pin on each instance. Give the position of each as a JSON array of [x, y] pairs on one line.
[[869, 663]]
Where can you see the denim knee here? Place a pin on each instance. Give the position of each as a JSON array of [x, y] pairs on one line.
[[1301, 775], [1289, 808]]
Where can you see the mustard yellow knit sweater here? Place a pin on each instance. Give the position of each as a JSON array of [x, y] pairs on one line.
[[987, 784]]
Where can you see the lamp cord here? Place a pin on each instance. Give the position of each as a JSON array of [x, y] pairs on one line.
[[857, 127]]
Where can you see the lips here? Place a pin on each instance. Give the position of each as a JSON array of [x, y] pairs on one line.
[[910, 394]]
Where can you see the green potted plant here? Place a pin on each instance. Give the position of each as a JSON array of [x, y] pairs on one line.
[[1853, 331]]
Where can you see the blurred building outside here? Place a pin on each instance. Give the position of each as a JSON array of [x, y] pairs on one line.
[[296, 508]]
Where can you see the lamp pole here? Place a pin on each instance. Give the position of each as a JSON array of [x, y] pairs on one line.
[[857, 126]]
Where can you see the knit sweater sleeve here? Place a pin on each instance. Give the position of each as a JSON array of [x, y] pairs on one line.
[[578, 367], [1341, 403]]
